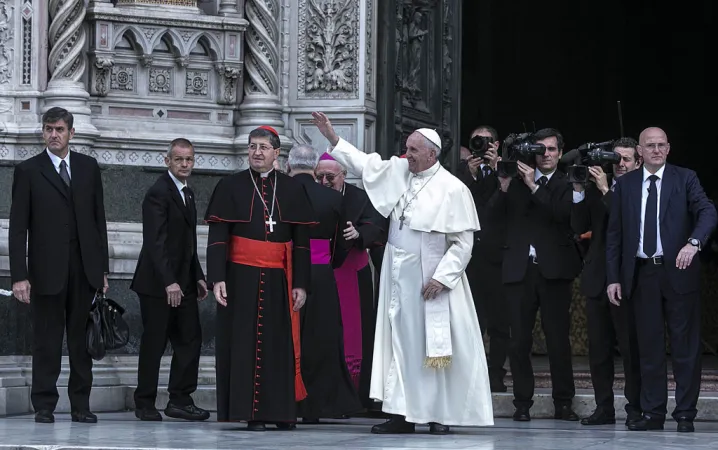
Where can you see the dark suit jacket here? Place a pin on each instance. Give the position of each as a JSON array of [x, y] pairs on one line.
[[489, 241], [372, 227], [592, 215], [542, 219], [40, 216], [684, 212], [327, 205], [169, 242]]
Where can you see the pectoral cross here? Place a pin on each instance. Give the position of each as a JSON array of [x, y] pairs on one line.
[[271, 224], [401, 221]]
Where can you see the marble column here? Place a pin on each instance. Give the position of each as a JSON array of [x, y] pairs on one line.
[[228, 7], [261, 104], [67, 63]]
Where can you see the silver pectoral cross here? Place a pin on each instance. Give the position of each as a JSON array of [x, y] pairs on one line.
[[401, 221], [271, 224]]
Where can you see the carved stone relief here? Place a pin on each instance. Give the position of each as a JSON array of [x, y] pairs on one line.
[[123, 78], [7, 42], [328, 48], [197, 82], [369, 86], [27, 14], [102, 73], [229, 79], [160, 81], [262, 59]]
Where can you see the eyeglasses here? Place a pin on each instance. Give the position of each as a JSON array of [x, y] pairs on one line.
[[329, 176], [260, 148], [663, 146]]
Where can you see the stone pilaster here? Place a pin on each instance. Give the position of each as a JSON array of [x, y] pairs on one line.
[[331, 67], [67, 63], [261, 104]]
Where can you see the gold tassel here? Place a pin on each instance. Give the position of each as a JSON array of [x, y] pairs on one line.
[[437, 362]]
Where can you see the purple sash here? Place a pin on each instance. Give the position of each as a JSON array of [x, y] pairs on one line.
[[321, 252], [348, 286]]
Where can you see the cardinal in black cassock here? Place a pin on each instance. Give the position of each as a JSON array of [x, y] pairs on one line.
[[258, 259], [331, 393], [363, 228]]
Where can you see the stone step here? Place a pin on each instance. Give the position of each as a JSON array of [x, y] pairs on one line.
[[582, 380]]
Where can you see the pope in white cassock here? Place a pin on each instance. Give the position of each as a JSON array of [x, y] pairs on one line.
[[429, 363]]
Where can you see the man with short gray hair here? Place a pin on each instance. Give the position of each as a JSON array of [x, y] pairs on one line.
[[330, 393]]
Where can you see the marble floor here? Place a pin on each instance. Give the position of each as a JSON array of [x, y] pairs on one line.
[[122, 431]]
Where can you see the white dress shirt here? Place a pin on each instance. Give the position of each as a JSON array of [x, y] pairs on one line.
[[578, 197], [56, 160], [644, 200], [537, 175], [180, 185]]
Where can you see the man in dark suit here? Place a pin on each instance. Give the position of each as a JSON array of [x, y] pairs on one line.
[[170, 282], [484, 269], [660, 219], [58, 210], [539, 265], [606, 322]]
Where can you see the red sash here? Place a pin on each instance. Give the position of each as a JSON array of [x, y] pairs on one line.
[[273, 255]]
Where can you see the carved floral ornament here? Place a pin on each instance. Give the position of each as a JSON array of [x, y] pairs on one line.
[[159, 2], [328, 56], [6, 42]]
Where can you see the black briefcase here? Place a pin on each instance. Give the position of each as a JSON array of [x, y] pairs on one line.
[[106, 328]]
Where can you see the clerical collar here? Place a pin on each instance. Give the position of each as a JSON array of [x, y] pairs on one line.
[[429, 172], [262, 175]]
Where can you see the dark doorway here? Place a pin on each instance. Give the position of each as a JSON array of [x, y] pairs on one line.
[[565, 63]]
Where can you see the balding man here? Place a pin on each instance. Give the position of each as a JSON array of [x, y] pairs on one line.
[[429, 364], [660, 219]]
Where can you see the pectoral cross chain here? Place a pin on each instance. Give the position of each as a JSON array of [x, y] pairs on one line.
[[271, 224]]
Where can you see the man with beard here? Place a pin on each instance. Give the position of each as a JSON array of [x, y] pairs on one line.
[[606, 322], [364, 229], [258, 259], [329, 386]]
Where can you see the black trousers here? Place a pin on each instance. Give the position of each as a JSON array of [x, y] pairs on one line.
[[608, 323], [525, 299], [656, 304], [181, 326], [490, 303], [51, 314]]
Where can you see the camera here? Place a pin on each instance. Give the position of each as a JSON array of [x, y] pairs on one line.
[[479, 145], [589, 154], [518, 147]]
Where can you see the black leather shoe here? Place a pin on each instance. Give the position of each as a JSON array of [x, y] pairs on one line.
[[148, 415], [685, 425], [83, 416], [396, 425], [633, 416], [256, 426], [646, 424], [44, 416], [599, 417], [565, 413], [522, 415], [189, 412], [308, 421], [286, 425], [437, 428]]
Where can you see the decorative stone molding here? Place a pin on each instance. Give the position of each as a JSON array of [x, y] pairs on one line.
[[209, 159], [328, 56], [262, 61], [160, 81], [27, 18], [197, 83], [158, 2], [229, 79], [369, 63], [124, 244], [67, 39], [123, 78], [7, 41]]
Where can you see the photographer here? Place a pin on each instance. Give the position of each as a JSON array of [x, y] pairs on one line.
[[484, 269], [540, 261], [606, 322]]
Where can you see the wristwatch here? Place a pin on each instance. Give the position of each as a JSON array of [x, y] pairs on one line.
[[695, 242]]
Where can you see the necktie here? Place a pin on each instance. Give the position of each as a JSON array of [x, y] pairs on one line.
[[486, 171], [542, 181], [188, 200], [650, 221], [64, 173]]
